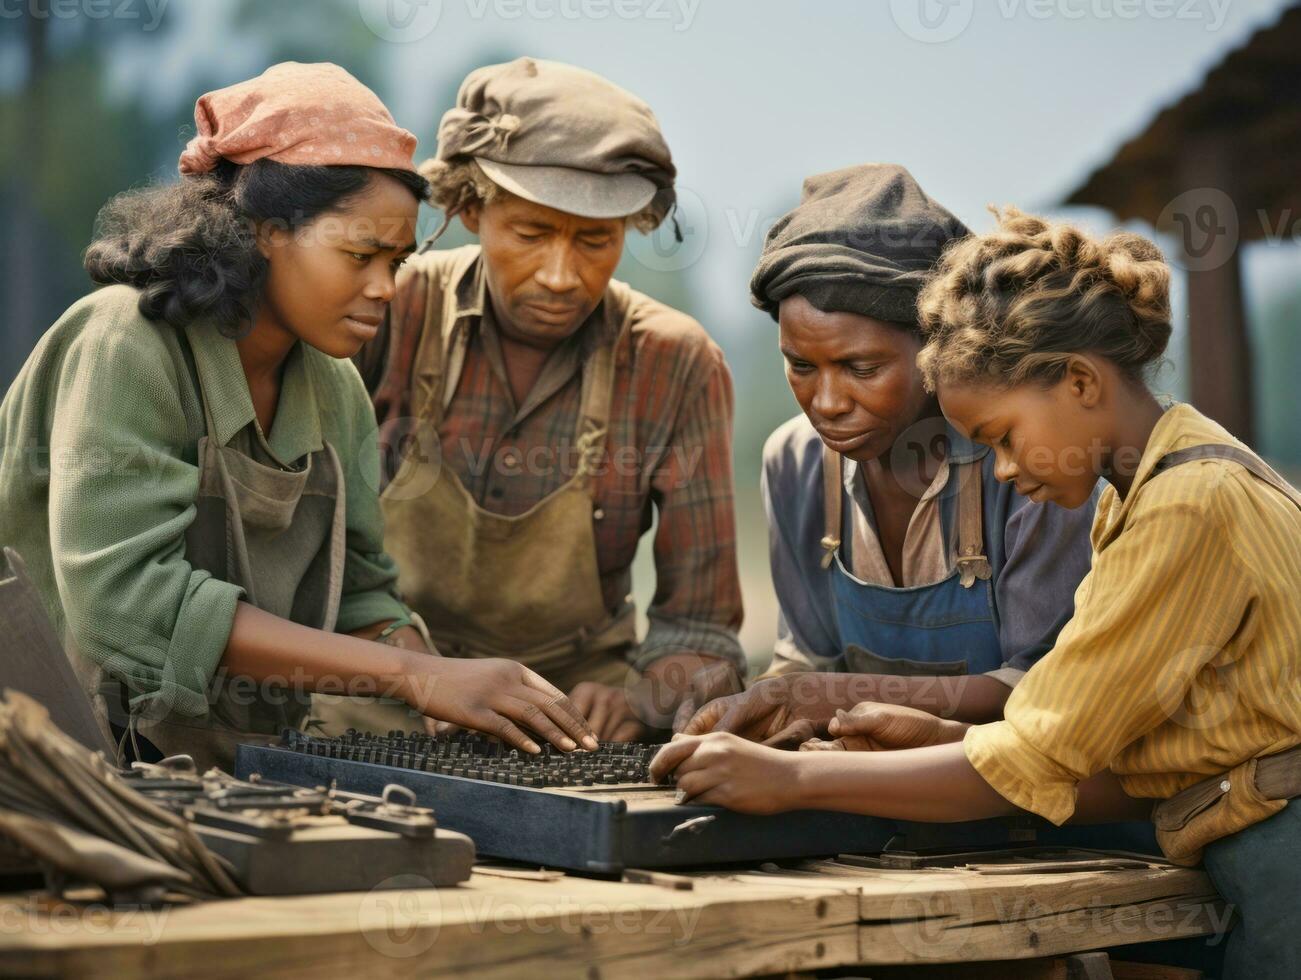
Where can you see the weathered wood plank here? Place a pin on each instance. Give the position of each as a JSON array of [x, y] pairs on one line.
[[493, 926], [968, 916], [942, 915], [818, 915]]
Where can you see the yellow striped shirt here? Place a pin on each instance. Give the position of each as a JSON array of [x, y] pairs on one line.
[[1183, 658]]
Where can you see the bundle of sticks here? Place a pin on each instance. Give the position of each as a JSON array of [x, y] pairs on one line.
[[83, 823]]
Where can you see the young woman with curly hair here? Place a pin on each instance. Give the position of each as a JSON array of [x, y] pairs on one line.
[[1173, 691], [190, 467]]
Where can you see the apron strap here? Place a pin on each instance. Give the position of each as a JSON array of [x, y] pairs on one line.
[[598, 384], [972, 562], [209, 426], [440, 331], [207, 414], [455, 338], [338, 545], [1249, 461], [833, 492], [193, 365], [447, 357]]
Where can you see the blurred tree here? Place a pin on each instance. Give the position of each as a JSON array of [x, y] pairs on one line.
[[71, 137], [66, 147]]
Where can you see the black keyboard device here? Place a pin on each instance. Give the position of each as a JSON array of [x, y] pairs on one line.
[[585, 811]]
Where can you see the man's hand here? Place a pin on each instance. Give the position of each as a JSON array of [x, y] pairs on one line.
[[785, 710], [709, 683], [875, 727], [725, 770], [608, 712], [658, 692], [650, 701]]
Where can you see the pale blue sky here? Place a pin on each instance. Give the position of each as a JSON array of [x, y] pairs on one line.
[[753, 95], [756, 94]]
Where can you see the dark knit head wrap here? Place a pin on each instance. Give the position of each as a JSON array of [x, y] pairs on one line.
[[861, 241]]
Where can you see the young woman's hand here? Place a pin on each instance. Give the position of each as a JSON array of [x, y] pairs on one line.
[[873, 727], [726, 770], [499, 697]]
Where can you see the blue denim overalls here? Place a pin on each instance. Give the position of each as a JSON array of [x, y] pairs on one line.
[[944, 628]]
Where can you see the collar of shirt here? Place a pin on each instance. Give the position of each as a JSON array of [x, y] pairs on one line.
[[474, 312], [926, 556], [958, 450], [297, 428], [1179, 427], [962, 449]]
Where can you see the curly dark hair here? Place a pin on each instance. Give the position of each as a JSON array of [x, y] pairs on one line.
[[1013, 305], [190, 247]]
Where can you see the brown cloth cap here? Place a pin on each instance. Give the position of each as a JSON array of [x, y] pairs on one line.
[[562, 137], [861, 241], [297, 114]]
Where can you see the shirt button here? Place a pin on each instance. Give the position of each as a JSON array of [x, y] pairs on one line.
[[1224, 786], [510, 458], [496, 493], [598, 514]]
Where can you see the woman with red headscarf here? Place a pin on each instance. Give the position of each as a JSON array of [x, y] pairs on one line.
[[188, 460]]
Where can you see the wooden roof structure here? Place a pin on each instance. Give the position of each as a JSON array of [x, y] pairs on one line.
[[1253, 97], [1219, 167]]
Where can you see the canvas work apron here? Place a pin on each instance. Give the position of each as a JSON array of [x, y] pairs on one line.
[[280, 535], [942, 629], [525, 587]]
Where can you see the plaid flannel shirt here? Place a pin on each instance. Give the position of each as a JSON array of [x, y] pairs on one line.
[[669, 448]]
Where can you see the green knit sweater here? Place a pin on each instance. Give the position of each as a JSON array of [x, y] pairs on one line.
[[98, 476]]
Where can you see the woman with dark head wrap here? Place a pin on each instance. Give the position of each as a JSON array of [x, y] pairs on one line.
[[905, 573]]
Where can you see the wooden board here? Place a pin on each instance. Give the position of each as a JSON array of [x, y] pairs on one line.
[[953, 915], [818, 915]]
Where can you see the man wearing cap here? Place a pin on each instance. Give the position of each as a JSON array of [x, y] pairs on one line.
[[548, 411]]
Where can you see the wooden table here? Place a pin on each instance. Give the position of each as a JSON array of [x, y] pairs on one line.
[[544, 925]]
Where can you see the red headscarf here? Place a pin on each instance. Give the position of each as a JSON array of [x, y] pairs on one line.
[[299, 114]]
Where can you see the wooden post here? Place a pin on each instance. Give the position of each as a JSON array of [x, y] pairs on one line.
[[1219, 349]]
